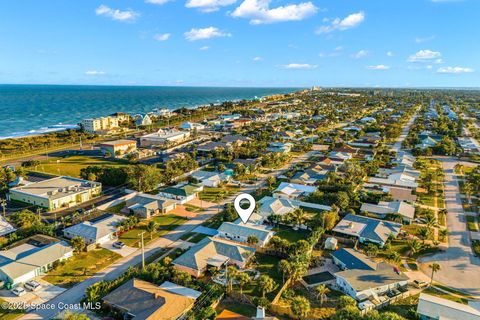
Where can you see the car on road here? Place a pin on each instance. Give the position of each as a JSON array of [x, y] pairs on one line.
[[118, 244], [32, 285], [18, 291], [420, 284]]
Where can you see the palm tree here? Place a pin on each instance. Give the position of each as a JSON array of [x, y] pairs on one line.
[[443, 233], [231, 273], [151, 227], [285, 268], [322, 291], [435, 268], [266, 284], [468, 190], [414, 246], [424, 234], [298, 217], [242, 279]]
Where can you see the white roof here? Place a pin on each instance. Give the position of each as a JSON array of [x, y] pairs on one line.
[[5, 227], [96, 229], [439, 308], [181, 290]]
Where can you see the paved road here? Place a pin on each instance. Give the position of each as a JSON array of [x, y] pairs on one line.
[[460, 268], [397, 146]]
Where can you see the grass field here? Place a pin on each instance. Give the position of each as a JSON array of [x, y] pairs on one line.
[[290, 234], [71, 166], [80, 267], [165, 224]]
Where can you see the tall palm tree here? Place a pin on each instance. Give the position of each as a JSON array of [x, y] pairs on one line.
[[435, 268], [414, 246], [322, 291], [468, 190], [298, 217]]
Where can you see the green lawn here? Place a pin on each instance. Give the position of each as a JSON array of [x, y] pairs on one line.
[[290, 234], [217, 194], [80, 267], [117, 208], [165, 224], [268, 265], [441, 294], [71, 166]]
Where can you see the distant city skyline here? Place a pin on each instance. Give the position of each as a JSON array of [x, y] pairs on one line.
[[241, 43]]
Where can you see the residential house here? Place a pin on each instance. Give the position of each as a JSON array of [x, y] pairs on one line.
[[349, 259], [32, 258], [57, 192], [427, 142], [98, 230], [213, 252], [367, 229], [138, 299], [118, 148], [293, 190], [235, 139], [281, 207], [384, 209], [369, 284], [210, 178], [309, 176], [212, 146], [181, 193], [240, 232], [435, 308], [279, 147], [192, 126], [5, 227], [143, 121], [146, 205]]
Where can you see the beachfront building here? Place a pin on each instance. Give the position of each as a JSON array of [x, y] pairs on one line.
[[56, 193], [102, 125], [118, 148], [163, 136], [32, 258], [99, 230]]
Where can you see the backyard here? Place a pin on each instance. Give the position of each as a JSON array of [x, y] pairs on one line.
[[80, 267], [165, 224], [216, 194]]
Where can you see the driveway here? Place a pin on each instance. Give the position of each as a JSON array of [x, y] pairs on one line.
[[47, 292], [460, 268], [124, 252]]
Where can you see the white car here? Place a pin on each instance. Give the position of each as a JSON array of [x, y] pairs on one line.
[[19, 291], [32, 285]]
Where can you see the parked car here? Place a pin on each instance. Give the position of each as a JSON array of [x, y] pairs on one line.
[[420, 284], [32, 285], [118, 244], [18, 291]]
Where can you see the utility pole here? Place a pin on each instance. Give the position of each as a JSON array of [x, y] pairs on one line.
[[143, 250]]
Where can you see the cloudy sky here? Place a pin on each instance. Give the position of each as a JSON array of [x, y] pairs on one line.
[[395, 43]]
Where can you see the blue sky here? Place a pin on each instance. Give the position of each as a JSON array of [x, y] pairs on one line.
[[394, 43]]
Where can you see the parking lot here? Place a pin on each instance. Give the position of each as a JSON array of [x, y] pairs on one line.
[[47, 292]]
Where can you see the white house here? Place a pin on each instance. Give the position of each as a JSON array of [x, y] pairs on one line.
[[210, 178], [383, 209], [293, 190], [27, 261], [241, 231], [433, 308], [98, 230], [192, 126], [163, 136], [181, 193]]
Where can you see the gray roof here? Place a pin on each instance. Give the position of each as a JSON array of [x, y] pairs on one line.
[[148, 201], [96, 229], [353, 259], [368, 228], [245, 230], [439, 308], [197, 256], [25, 258], [361, 279], [383, 208]]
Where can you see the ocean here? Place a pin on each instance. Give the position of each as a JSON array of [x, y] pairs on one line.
[[35, 109]]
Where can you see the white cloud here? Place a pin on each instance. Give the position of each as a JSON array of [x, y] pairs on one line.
[[424, 39], [351, 21], [205, 33], [115, 14], [204, 48], [360, 54], [159, 2], [259, 11], [390, 54], [257, 59], [95, 73], [426, 55], [162, 36], [454, 70], [378, 67], [299, 66], [208, 5]]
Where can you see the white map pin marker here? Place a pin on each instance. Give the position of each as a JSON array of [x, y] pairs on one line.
[[244, 213]]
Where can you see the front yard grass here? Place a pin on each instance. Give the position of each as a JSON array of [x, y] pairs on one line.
[[289, 234], [217, 194], [71, 165], [165, 224], [80, 267]]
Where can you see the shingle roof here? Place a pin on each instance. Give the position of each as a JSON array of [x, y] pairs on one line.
[[368, 228], [197, 256], [245, 230], [96, 229]]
